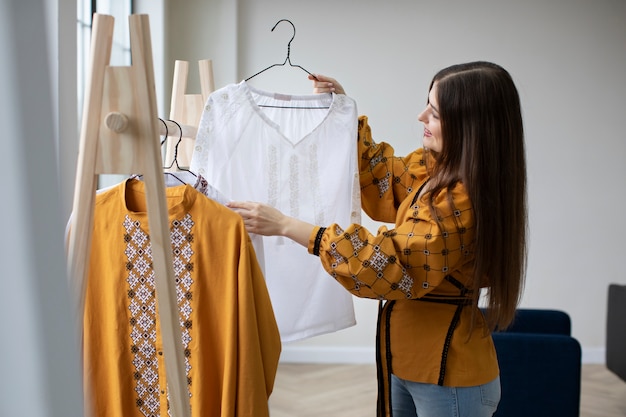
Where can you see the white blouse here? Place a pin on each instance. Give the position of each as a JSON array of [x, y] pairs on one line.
[[298, 154]]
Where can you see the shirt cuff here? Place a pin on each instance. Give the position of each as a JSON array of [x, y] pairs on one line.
[[315, 239]]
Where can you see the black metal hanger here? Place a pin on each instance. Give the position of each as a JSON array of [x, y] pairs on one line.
[[288, 58], [169, 174], [180, 139]]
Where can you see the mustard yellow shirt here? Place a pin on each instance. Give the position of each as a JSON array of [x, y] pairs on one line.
[[422, 270], [229, 331]]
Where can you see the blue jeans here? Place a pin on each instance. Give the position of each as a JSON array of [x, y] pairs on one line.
[[415, 399]]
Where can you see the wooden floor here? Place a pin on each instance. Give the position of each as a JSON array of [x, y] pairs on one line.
[[307, 390]]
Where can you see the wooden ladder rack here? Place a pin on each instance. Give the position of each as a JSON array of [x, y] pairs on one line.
[[187, 108], [120, 135]]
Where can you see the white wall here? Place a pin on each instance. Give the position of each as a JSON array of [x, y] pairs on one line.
[[197, 30], [568, 58]]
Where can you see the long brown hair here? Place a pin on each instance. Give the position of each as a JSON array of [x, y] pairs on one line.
[[483, 147]]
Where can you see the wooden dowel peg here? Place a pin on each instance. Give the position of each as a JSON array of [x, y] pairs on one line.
[[117, 122]]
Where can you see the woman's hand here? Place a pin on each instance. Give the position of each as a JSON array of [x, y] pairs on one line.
[[265, 220], [324, 84], [259, 218]]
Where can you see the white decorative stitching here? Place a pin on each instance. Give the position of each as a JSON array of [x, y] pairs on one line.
[[294, 186], [142, 304]]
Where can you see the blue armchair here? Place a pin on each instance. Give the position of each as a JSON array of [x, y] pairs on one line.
[[540, 366]]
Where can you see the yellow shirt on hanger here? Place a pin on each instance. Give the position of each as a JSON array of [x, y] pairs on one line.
[[229, 331]]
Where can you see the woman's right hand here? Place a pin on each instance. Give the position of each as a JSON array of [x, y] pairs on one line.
[[265, 220], [259, 218], [324, 84]]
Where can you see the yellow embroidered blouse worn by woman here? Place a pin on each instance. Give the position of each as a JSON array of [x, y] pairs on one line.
[[423, 268]]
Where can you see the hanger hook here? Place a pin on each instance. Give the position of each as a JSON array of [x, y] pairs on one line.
[[288, 58], [294, 35], [167, 133]]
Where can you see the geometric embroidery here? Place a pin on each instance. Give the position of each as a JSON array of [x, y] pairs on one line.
[[357, 243], [378, 261], [335, 254], [375, 161], [182, 238], [405, 284], [294, 186], [272, 175], [383, 186], [418, 243], [142, 305], [318, 207]]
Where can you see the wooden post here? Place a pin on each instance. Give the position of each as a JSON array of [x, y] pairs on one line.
[[120, 135], [187, 108]]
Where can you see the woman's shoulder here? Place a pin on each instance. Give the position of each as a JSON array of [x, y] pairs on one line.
[[453, 200], [417, 163]]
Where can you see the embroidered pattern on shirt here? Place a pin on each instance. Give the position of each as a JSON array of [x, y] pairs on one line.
[[355, 215], [318, 207], [142, 305], [211, 119], [383, 185], [338, 257], [294, 186], [182, 237], [357, 243], [272, 175], [418, 259], [375, 161], [378, 262], [387, 172], [406, 283]]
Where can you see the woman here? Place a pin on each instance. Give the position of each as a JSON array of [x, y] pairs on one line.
[[459, 208]]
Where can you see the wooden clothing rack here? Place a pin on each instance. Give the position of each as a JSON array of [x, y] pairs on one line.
[[120, 135], [187, 108]]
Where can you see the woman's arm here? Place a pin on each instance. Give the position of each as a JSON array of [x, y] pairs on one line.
[[267, 221], [406, 262]]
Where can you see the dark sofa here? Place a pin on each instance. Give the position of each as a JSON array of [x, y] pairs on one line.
[[540, 366]]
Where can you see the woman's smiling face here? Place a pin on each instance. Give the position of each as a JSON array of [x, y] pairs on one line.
[[432, 122]]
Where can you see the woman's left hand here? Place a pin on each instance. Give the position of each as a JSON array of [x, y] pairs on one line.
[[324, 84]]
